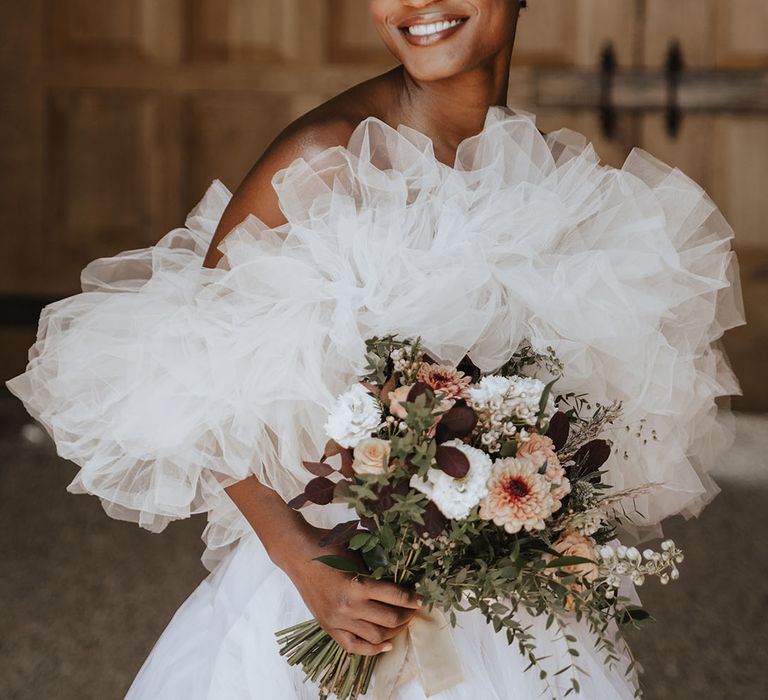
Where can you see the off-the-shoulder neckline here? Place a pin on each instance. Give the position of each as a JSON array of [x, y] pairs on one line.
[[495, 115]]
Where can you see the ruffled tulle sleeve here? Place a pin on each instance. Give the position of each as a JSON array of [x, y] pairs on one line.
[[159, 381], [166, 381]]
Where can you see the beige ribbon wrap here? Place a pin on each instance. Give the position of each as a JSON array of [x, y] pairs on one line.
[[426, 651]]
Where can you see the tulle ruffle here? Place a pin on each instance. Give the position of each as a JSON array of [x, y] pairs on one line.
[[166, 381]]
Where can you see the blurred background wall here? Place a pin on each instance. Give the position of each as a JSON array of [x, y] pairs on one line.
[[116, 114]]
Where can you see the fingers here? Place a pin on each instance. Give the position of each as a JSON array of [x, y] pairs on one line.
[[356, 645], [393, 595], [374, 634], [385, 615]]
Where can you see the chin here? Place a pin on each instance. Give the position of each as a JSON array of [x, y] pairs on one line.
[[434, 67]]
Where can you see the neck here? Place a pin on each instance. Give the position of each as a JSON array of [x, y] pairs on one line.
[[451, 110]]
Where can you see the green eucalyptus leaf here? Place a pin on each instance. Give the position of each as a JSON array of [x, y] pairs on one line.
[[561, 562], [339, 563]]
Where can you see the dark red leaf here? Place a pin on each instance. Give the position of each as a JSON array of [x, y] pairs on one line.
[[434, 521], [558, 430], [340, 534], [458, 422], [372, 388], [346, 462], [331, 448], [320, 490], [389, 386], [384, 500], [452, 461], [593, 455], [319, 468], [469, 368], [298, 501], [417, 390]]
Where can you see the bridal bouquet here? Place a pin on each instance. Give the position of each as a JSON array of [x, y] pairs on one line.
[[478, 492]]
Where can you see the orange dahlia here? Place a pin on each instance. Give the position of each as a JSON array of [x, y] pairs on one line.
[[518, 496], [444, 381]]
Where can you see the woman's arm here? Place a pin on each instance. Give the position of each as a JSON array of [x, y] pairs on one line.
[[360, 614]]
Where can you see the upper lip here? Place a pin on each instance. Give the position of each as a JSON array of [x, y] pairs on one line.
[[429, 17]]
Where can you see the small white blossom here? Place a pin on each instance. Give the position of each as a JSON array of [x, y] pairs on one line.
[[455, 498], [354, 417], [619, 561], [587, 522], [502, 399]]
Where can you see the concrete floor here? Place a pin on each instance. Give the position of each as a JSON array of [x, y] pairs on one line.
[[84, 597]]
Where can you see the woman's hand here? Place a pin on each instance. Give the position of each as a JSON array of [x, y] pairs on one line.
[[361, 614]]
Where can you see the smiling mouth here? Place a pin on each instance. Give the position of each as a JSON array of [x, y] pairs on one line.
[[425, 30]]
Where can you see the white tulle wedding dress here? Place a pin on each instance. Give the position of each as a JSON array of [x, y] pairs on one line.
[[166, 381]]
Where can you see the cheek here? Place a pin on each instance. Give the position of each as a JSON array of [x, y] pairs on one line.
[[380, 10]]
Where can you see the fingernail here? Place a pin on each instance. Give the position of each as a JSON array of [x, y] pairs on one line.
[[387, 647]]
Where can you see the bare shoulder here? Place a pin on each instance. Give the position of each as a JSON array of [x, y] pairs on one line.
[[331, 124], [255, 196]]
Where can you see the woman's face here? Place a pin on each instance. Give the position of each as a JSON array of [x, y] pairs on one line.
[[437, 39]]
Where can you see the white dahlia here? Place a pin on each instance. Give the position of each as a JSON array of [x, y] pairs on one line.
[[455, 498], [518, 496], [354, 417]]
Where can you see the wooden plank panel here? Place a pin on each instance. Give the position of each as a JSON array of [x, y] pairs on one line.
[[606, 22], [545, 33], [106, 173], [221, 30], [227, 134], [726, 155], [740, 175], [690, 22], [21, 146], [746, 345], [742, 34], [112, 30]]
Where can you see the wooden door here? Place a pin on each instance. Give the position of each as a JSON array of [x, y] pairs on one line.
[[116, 115]]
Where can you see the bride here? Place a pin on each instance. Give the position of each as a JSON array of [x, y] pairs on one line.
[[194, 376]]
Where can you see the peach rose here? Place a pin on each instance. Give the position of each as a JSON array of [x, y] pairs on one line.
[[396, 400], [371, 456], [574, 544]]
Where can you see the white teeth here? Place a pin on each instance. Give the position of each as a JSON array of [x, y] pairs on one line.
[[432, 28]]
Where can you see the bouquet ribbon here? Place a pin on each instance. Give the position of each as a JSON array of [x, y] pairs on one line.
[[425, 651]]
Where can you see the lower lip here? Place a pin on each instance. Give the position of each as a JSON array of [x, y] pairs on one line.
[[429, 39]]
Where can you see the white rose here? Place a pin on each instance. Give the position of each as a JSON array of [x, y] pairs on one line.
[[371, 456], [355, 415], [455, 498]]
